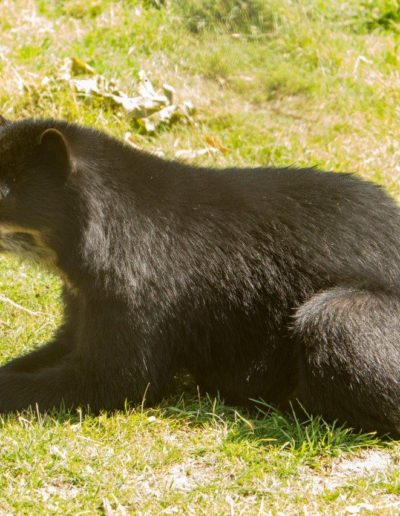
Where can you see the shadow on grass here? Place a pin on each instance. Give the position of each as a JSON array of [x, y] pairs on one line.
[[295, 431], [262, 425]]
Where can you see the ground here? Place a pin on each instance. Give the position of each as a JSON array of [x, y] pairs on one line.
[[271, 82]]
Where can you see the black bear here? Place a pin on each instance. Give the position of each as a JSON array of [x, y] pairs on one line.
[[265, 283]]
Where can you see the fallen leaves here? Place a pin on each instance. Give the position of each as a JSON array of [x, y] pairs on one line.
[[143, 106], [147, 107]]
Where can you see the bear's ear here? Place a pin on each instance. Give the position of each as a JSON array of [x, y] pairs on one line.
[[54, 152], [4, 121]]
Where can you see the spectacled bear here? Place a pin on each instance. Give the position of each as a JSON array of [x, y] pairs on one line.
[[273, 283]]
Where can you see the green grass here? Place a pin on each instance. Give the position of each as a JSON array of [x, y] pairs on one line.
[[273, 81]]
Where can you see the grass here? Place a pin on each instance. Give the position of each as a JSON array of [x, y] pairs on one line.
[[273, 81]]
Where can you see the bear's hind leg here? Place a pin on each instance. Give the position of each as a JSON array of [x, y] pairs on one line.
[[349, 343]]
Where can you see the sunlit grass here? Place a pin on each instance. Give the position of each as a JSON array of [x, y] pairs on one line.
[[282, 82]]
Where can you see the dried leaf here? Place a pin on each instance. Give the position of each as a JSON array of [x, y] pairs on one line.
[[86, 86], [139, 107], [194, 153], [169, 92], [216, 143], [79, 67]]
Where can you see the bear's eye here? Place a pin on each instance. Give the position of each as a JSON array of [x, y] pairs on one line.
[[6, 186], [4, 190]]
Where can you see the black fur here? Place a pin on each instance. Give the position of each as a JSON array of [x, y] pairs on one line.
[[263, 283]]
